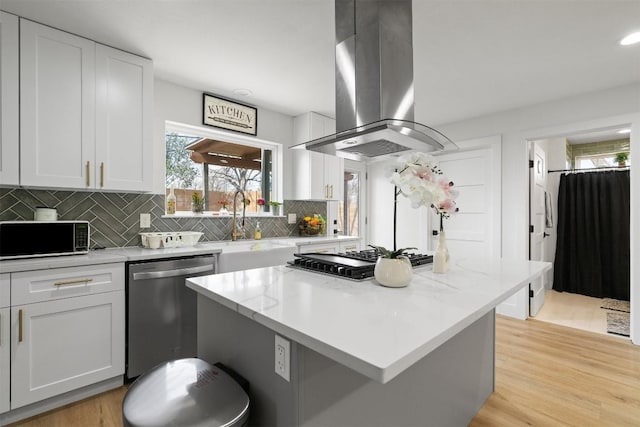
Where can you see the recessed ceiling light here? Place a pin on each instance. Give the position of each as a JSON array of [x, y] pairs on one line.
[[632, 38], [624, 131], [242, 92]]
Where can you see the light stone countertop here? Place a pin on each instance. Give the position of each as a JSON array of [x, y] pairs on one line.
[[138, 253], [376, 331]]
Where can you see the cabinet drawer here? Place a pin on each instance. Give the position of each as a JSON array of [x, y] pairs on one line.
[[350, 246], [5, 290], [45, 285], [322, 248]]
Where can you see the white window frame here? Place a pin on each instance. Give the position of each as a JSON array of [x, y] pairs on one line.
[[276, 148]]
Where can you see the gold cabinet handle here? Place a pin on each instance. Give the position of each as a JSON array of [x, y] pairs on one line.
[[72, 282], [20, 325], [101, 174], [331, 195], [88, 173]]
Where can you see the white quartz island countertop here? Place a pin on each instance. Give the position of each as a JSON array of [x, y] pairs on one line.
[[376, 331]]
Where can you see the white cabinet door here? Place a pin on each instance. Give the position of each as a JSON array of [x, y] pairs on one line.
[[317, 176], [124, 85], [57, 108], [4, 359], [58, 346], [9, 137], [5, 290], [5, 331], [333, 166]]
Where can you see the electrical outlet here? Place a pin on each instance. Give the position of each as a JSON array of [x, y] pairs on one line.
[[282, 356], [145, 220], [292, 219]]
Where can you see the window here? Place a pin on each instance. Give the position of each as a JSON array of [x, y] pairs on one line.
[[597, 161], [350, 215], [352, 208], [215, 165]]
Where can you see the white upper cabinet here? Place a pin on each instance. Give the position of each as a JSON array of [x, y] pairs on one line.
[[57, 108], [316, 175], [85, 113], [124, 85], [9, 142]]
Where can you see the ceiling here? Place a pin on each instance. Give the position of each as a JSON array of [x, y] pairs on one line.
[[471, 58]]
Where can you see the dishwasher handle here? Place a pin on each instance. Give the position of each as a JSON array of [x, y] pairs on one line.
[[173, 273]]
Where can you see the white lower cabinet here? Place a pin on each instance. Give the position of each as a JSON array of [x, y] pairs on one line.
[[4, 359], [320, 248], [350, 246], [5, 333], [330, 247], [67, 330]]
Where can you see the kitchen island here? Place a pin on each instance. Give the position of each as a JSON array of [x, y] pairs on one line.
[[360, 353]]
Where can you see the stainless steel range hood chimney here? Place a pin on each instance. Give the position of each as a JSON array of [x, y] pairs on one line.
[[374, 85]]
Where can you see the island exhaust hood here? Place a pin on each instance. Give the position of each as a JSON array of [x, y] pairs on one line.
[[374, 85]]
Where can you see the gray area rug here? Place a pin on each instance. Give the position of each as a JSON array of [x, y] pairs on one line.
[[614, 304], [618, 323]]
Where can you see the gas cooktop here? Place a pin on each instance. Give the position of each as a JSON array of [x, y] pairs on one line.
[[355, 265]]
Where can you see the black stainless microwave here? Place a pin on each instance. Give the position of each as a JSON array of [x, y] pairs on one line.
[[31, 239]]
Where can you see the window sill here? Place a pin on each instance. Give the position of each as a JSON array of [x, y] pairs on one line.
[[215, 214]]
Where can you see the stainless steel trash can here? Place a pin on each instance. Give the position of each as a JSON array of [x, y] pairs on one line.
[[187, 393]]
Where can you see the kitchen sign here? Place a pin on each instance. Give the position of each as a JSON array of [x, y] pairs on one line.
[[226, 114]]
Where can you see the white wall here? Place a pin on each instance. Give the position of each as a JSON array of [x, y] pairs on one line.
[[589, 111], [184, 105]]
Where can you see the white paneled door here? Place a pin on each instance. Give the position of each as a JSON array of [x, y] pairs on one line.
[[475, 171], [538, 178]]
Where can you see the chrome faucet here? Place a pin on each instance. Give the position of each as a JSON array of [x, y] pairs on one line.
[[238, 230]]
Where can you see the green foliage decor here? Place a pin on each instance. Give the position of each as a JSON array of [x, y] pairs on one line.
[[622, 157], [386, 253]]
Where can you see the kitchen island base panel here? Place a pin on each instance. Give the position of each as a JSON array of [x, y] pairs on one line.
[[248, 348], [446, 387]]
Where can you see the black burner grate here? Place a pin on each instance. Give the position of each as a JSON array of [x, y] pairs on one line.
[[357, 265]]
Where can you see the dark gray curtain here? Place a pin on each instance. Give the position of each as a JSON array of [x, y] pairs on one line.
[[592, 252]]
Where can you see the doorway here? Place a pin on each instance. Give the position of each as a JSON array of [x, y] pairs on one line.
[[569, 157]]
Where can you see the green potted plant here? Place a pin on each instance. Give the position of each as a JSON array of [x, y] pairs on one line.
[[196, 202], [621, 158], [275, 207], [393, 268]]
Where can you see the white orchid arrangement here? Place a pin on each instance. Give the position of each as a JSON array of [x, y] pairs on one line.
[[417, 176]]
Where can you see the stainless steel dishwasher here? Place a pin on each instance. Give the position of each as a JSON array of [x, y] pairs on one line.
[[162, 310]]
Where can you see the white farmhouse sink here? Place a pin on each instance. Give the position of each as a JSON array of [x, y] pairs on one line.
[[244, 255]]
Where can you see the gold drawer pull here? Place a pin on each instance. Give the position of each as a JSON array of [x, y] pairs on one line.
[[101, 174], [20, 325], [73, 282], [88, 173]]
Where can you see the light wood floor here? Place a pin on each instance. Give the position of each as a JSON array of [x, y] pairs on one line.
[[574, 310], [546, 375]]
